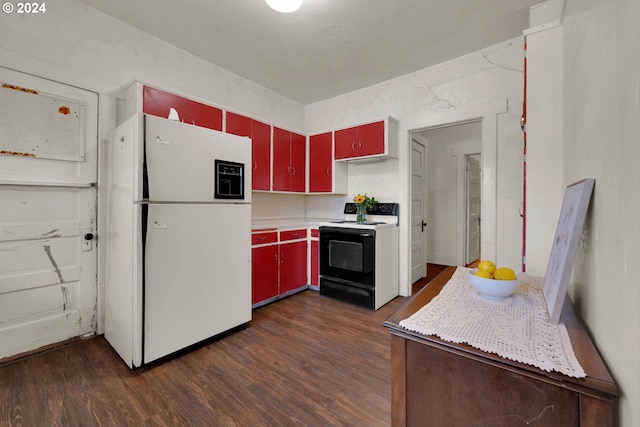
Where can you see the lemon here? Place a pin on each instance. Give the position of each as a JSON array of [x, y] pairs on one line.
[[482, 273], [504, 273], [487, 266]]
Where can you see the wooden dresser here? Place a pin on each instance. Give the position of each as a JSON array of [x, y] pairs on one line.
[[438, 383]]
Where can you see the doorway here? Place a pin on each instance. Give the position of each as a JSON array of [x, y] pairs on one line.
[[473, 202], [451, 195]]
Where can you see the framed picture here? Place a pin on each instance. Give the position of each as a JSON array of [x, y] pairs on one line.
[[565, 245]]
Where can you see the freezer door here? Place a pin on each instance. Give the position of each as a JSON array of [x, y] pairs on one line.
[[179, 161], [197, 262]]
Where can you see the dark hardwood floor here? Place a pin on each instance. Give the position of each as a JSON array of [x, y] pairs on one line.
[[305, 361]]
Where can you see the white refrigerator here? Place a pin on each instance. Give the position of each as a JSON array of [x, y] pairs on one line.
[[179, 230]]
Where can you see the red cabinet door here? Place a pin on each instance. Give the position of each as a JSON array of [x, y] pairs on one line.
[[315, 263], [345, 142], [289, 154], [158, 103], [363, 140], [371, 139], [298, 162], [264, 273], [261, 155], [238, 124], [281, 159], [260, 134], [293, 266], [320, 163]]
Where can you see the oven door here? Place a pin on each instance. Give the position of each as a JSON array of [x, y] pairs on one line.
[[348, 254]]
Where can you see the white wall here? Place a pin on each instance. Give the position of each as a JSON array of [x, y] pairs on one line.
[[468, 87], [590, 94]]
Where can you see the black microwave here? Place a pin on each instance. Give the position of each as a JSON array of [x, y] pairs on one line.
[[229, 180]]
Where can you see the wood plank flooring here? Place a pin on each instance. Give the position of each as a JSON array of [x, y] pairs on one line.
[[304, 361]]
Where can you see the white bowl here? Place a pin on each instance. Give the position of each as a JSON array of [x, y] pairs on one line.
[[492, 288]]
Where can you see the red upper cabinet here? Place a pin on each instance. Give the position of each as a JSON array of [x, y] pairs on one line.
[[321, 163], [377, 139], [158, 103], [289, 161], [346, 141], [238, 124], [298, 162], [260, 134], [371, 139], [261, 137]]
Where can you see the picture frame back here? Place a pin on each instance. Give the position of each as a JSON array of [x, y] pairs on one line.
[[565, 245]]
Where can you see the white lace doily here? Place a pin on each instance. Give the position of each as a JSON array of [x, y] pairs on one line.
[[516, 328]]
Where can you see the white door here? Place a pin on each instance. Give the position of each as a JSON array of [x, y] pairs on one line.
[[473, 187], [418, 212], [48, 174]]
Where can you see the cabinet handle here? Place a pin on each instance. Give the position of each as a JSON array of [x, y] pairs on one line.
[[353, 146], [295, 234], [261, 238], [275, 258], [293, 171], [288, 170], [359, 144], [255, 165], [281, 258], [328, 171]]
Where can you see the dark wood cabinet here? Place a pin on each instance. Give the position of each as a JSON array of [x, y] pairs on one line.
[[439, 383]]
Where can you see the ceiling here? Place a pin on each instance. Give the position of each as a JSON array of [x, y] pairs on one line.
[[327, 47]]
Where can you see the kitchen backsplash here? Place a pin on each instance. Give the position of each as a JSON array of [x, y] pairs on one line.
[[282, 206]]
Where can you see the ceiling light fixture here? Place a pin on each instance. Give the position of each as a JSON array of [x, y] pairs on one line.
[[284, 6]]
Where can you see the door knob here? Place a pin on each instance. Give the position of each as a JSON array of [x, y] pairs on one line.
[[88, 236]]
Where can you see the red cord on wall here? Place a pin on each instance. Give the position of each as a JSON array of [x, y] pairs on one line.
[[524, 165]]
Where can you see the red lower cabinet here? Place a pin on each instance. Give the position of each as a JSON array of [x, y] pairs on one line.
[[293, 266], [315, 263], [279, 263], [264, 273]]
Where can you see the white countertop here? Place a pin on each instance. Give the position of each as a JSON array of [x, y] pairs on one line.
[[260, 224]]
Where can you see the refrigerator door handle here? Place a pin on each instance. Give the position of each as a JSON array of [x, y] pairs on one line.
[[145, 171]]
